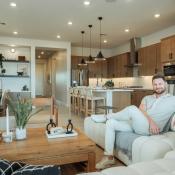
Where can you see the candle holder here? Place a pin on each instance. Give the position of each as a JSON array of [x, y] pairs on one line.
[[7, 137]]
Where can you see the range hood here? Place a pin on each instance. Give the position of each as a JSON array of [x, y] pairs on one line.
[[135, 44]]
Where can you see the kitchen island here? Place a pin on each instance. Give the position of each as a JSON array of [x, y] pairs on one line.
[[115, 97]]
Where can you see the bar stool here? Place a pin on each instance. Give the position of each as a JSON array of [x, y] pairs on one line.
[[82, 93], [92, 101], [76, 97], [71, 93]]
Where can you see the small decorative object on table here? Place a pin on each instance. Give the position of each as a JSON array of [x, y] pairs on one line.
[[7, 136], [57, 132], [50, 125], [69, 127]]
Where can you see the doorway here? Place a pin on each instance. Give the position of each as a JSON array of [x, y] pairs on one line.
[[43, 72], [39, 78]]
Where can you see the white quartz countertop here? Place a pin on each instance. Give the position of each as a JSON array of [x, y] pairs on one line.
[[113, 90]]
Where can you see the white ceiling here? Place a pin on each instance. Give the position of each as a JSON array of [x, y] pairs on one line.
[[44, 19]]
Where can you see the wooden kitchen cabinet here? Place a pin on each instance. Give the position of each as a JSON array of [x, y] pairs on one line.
[[111, 67], [121, 65], [168, 49], [137, 96], [75, 60], [149, 58], [98, 69]]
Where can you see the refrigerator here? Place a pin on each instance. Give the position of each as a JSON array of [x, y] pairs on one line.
[[79, 77]]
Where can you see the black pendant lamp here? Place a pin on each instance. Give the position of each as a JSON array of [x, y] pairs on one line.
[[100, 56], [90, 58], [82, 63]]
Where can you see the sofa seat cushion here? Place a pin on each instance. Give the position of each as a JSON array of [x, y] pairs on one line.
[[152, 147]]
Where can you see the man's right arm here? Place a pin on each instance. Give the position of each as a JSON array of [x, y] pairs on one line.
[[154, 129]]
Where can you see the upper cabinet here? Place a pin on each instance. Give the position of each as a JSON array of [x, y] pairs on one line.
[[149, 58], [75, 60], [111, 67], [168, 49], [122, 62], [98, 69], [117, 66]]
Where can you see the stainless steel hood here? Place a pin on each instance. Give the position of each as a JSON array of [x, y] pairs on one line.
[[135, 44]]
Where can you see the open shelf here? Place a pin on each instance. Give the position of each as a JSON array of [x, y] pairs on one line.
[[15, 61], [16, 76]]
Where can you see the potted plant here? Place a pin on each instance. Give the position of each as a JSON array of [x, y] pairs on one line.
[[22, 110], [109, 84], [2, 58]]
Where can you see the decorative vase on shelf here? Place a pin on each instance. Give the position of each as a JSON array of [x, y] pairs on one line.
[[21, 133]]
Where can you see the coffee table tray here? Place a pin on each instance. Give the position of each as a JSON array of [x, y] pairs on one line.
[[52, 136]]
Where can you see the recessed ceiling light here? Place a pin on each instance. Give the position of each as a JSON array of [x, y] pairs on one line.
[[69, 23], [58, 36], [39, 56], [86, 3], [127, 30], [12, 4], [15, 33], [105, 41], [13, 50], [157, 15], [42, 53]]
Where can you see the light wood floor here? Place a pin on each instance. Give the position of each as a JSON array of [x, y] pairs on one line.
[[78, 122]]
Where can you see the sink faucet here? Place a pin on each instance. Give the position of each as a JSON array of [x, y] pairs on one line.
[[97, 82]]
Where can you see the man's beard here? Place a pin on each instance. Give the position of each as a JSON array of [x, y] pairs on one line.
[[159, 92]]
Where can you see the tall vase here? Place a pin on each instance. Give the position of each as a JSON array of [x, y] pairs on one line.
[[21, 133]]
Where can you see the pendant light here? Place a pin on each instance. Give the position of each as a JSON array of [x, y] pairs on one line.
[[100, 56], [90, 58], [82, 63]]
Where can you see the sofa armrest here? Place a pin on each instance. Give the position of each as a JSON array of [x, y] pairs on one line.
[[170, 155]]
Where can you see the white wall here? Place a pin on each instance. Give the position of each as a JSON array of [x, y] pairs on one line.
[[77, 51], [61, 77], [146, 40], [157, 36], [32, 44]]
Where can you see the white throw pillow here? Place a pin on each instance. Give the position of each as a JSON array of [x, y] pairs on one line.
[[101, 118], [173, 123]]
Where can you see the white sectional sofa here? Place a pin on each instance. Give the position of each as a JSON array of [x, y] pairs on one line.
[[143, 148], [164, 166]]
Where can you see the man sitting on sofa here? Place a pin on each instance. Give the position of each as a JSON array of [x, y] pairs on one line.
[[150, 118]]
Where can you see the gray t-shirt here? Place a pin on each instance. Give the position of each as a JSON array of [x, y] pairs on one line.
[[160, 109]]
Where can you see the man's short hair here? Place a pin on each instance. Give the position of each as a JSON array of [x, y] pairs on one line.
[[158, 75]]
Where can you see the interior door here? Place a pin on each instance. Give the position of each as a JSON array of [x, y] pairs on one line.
[[39, 74]]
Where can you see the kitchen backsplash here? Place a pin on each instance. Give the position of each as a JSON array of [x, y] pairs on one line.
[[145, 81]]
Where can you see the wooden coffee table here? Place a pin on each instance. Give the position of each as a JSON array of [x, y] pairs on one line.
[[38, 149]]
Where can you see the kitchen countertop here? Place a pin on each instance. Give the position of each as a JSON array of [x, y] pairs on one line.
[[120, 89], [112, 89]]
